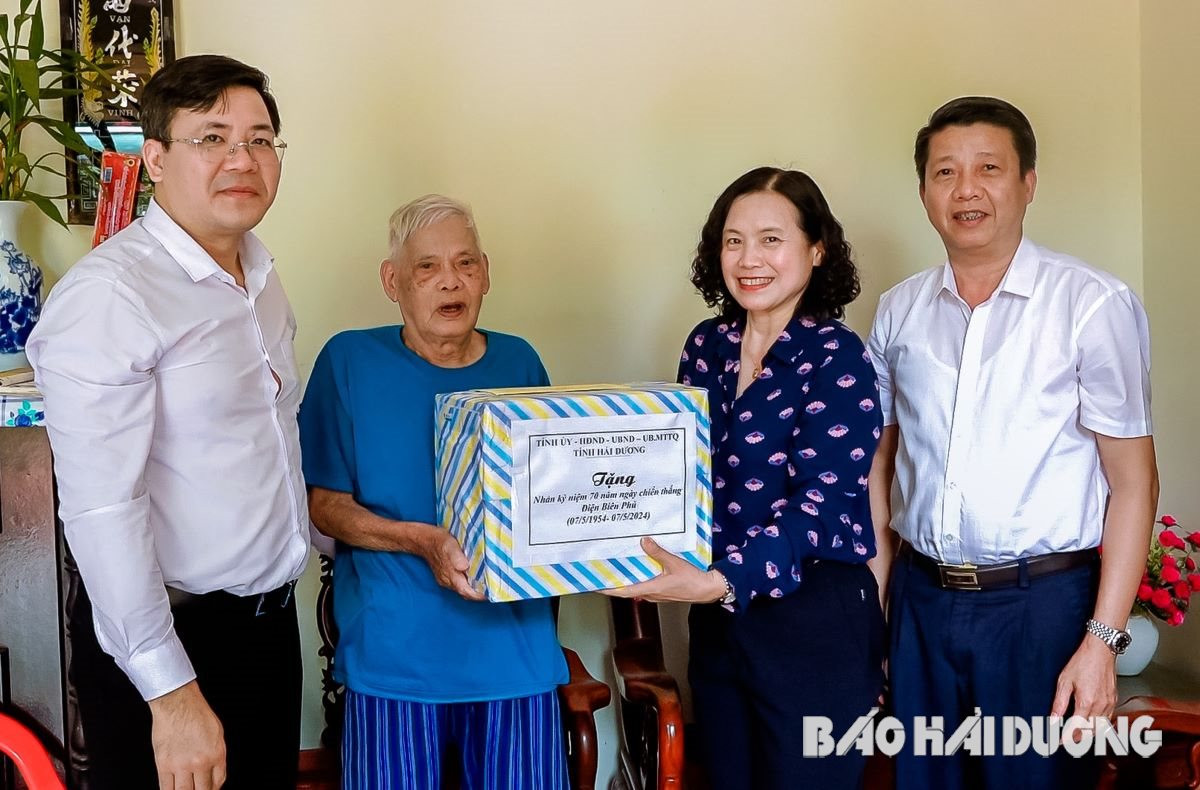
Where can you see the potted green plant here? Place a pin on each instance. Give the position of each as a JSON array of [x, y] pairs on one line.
[[30, 75]]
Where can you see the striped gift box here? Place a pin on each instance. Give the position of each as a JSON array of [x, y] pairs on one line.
[[549, 489]]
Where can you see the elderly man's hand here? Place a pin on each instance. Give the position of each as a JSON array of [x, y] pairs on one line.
[[448, 562]]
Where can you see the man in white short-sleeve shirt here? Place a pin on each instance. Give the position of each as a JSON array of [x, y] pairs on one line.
[[1014, 383]]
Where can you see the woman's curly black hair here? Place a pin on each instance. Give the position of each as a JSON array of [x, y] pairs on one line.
[[834, 283]]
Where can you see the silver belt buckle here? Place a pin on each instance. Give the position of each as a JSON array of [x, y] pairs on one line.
[[259, 611], [959, 577]]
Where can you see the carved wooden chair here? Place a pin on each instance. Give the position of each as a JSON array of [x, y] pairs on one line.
[[1175, 765], [579, 699], [651, 720], [652, 724]]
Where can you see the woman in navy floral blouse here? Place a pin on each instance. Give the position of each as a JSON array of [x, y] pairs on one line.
[[788, 622]]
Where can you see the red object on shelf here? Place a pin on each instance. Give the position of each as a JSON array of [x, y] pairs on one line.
[[29, 755], [119, 175]]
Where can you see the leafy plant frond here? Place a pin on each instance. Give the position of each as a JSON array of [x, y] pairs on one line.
[[46, 205], [31, 74]]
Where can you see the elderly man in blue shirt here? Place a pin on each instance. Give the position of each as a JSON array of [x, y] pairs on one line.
[[426, 662]]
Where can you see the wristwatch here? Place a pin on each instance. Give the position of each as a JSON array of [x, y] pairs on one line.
[[1116, 639]]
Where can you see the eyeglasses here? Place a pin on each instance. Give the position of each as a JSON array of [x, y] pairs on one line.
[[214, 148]]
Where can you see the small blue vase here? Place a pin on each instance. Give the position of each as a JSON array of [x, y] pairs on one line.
[[20, 289]]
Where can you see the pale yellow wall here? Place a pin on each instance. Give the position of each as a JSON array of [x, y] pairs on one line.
[[51, 246], [1170, 171], [592, 138]]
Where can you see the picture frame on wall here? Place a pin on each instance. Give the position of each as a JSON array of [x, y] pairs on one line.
[[135, 38]]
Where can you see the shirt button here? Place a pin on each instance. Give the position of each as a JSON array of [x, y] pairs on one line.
[[952, 486], [950, 538]]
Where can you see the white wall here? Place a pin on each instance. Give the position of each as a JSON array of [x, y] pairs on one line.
[[1170, 170]]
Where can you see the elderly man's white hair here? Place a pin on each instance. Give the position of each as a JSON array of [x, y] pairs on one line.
[[420, 214]]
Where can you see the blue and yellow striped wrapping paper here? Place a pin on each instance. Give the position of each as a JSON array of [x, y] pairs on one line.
[[477, 492]]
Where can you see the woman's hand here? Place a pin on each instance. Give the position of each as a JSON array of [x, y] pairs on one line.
[[679, 581]]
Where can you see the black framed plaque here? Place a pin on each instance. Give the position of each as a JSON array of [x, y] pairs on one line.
[[134, 39]]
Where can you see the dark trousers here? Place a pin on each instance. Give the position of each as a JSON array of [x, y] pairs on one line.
[[815, 652], [248, 669], [1001, 650]]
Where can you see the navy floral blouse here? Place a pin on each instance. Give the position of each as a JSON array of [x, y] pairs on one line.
[[791, 455]]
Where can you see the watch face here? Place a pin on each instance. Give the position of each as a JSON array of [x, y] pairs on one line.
[[1121, 641]]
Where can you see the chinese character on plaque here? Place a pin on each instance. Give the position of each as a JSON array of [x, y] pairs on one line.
[[134, 38]]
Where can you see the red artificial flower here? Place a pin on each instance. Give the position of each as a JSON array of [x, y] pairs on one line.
[[1170, 540], [1171, 574]]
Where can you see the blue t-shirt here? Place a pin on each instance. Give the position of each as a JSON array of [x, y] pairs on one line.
[[366, 428]]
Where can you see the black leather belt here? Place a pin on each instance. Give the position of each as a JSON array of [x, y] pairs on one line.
[[1004, 574], [258, 604]]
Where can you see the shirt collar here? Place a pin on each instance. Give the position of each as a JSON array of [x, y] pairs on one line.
[[1018, 279], [785, 349], [1022, 272], [192, 258]]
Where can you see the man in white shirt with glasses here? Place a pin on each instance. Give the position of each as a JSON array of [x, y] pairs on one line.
[[1014, 383], [165, 358]]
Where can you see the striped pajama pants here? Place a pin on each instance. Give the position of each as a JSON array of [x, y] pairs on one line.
[[507, 744]]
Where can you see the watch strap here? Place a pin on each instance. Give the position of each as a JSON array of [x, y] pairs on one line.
[[1116, 639]]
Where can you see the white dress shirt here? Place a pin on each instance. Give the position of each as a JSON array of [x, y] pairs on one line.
[[998, 407], [176, 453]]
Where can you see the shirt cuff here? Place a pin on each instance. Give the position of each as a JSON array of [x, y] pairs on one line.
[[161, 669], [1128, 429], [322, 543]]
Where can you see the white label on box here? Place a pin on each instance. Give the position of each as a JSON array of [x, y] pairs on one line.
[[587, 488]]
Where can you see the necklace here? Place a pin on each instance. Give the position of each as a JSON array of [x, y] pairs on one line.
[[755, 370]]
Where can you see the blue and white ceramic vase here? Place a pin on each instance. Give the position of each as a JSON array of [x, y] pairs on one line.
[[20, 288]]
